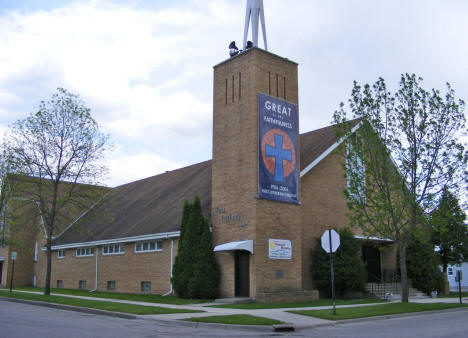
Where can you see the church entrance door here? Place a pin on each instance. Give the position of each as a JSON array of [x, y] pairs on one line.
[[242, 273], [371, 257]]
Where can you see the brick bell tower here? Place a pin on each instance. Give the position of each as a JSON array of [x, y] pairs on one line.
[[256, 211]]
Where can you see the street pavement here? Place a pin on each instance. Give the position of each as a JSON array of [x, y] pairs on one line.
[[281, 314]]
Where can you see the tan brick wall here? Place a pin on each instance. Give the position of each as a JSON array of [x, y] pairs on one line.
[[4, 253], [128, 270], [388, 257], [323, 207]]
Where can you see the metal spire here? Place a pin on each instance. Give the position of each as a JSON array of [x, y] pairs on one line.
[[253, 11]]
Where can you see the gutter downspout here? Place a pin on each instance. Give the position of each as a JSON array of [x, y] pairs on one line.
[[96, 273], [172, 261]]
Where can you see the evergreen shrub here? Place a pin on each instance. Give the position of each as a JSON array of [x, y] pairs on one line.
[[195, 271], [349, 270]]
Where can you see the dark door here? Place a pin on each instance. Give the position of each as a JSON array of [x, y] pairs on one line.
[[242, 274], [1, 270], [371, 257]]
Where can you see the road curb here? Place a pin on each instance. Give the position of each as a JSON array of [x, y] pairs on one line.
[[227, 327], [71, 308], [375, 318]]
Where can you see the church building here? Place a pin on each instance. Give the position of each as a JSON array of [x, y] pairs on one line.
[[268, 193]]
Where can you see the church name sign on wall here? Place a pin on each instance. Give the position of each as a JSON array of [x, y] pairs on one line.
[[278, 134], [226, 217]]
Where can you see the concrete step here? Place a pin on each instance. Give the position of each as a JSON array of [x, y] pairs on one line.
[[393, 290], [235, 300]]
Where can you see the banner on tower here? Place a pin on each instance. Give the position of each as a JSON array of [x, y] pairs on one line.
[[278, 157]]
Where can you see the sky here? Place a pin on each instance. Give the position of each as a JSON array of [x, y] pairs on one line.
[[145, 68]]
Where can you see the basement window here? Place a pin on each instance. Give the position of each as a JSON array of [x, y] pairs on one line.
[[146, 287], [148, 246], [111, 285], [61, 253], [59, 284], [82, 285], [113, 249], [84, 252]]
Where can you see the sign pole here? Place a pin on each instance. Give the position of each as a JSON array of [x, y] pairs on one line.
[[332, 273], [13, 258], [12, 272], [459, 277]]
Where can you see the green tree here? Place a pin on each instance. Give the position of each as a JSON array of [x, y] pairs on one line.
[[57, 149], [183, 261], [423, 264], [449, 232], [350, 272], [5, 170], [196, 273], [407, 148]]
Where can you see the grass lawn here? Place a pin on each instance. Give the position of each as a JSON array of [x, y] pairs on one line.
[[320, 302], [94, 304], [236, 320], [377, 310], [125, 296], [454, 295]]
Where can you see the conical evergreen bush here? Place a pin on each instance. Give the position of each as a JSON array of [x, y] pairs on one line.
[[195, 273]]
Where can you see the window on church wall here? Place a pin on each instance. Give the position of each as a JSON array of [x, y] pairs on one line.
[[61, 253], [146, 287], [149, 246], [82, 284], [355, 172], [84, 252], [110, 285], [115, 249]]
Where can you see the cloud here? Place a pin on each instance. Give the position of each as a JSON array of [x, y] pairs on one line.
[[131, 167], [145, 67]]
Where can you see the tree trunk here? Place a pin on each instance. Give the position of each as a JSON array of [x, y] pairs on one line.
[[403, 274], [49, 265], [446, 289]]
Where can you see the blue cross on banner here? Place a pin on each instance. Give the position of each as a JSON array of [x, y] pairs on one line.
[[279, 154], [278, 158]]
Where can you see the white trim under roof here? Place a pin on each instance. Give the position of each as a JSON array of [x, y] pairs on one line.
[[328, 151], [371, 238], [161, 235], [240, 245]]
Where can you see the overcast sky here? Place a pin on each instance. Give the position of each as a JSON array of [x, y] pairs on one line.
[[145, 67]]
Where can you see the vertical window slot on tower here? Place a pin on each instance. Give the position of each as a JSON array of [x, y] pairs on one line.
[[284, 87], [269, 83], [277, 86], [240, 93], [226, 91], [233, 88]]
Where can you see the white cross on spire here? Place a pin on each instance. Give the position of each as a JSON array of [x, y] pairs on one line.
[[253, 11]]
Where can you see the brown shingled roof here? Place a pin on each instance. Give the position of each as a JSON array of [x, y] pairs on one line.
[[154, 205], [148, 206]]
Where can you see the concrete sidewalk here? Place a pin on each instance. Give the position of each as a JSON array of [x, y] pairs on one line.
[[280, 314]]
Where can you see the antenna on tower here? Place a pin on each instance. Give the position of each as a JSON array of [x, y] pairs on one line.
[[253, 12]]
